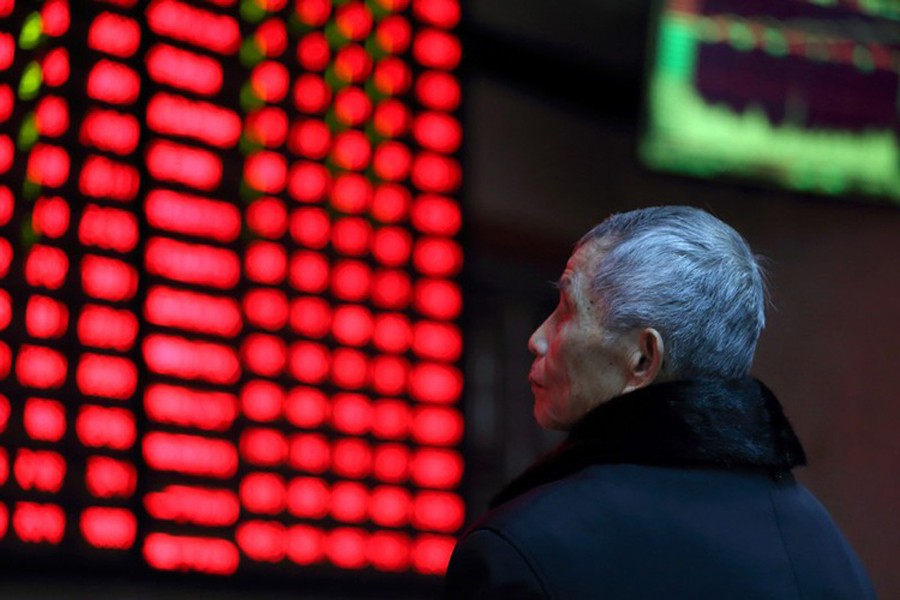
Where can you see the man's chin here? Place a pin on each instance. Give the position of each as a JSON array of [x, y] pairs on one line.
[[546, 419]]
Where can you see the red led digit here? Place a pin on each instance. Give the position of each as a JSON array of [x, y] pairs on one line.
[[304, 544], [37, 523], [263, 493], [436, 468], [435, 382], [437, 49], [264, 447], [262, 541], [390, 506], [352, 106], [438, 91], [308, 272], [113, 82], [108, 228], [101, 427], [50, 216], [309, 452], [308, 182], [7, 50], [313, 12], [270, 81], [346, 548], [108, 278], [105, 327], [192, 263], [311, 94], [201, 28], [351, 458], [7, 204], [390, 419], [437, 426], [7, 101], [436, 215], [106, 527], [392, 76], [266, 308], [349, 368], [310, 138], [352, 192], [271, 37], [264, 354], [438, 511], [351, 325], [349, 501], [190, 454], [5, 360], [308, 497], [391, 463], [45, 317], [192, 311], [392, 161], [440, 13], [391, 118], [55, 67], [431, 553], [265, 262], [184, 70], [438, 298], [262, 400], [185, 407], [48, 165], [114, 34], [310, 227], [391, 333], [46, 267], [7, 153], [437, 131], [390, 203], [393, 34], [313, 51], [267, 126], [392, 246], [107, 477], [310, 317], [40, 367], [103, 178], [354, 20], [351, 236], [214, 556], [6, 311], [193, 215], [267, 217], [4, 475], [106, 376], [437, 257], [110, 130], [40, 470], [351, 413], [436, 173], [55, 17], [437, 341], [6, 7], [388, 551], [352, 64], [44, 420], [391, 289], [189, 166], [306, 407], [52, 116], [351, 280], [178, 116], [187, 359], [203, 506], [351, 150]]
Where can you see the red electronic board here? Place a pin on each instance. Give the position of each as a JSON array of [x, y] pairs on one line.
[[229, 303]]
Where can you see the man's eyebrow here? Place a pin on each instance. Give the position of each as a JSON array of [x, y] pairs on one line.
[[563, 284]]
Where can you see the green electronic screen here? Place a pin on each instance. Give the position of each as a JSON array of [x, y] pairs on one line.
[[800, 93]]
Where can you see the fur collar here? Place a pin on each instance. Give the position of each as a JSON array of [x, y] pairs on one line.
[[703, 422]]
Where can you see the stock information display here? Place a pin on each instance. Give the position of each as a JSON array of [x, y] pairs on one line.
[[228, 295]]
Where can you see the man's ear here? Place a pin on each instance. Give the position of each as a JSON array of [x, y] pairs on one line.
[[646, 360]]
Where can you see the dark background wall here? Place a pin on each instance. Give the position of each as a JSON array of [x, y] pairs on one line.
[[552, 118]]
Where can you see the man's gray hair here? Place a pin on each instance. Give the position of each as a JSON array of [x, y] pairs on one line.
[[689, 276]]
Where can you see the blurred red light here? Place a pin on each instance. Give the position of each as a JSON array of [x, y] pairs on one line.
[[436, 173], [44, 420], [7, 50], [352, 106], [393, 5], [40, 367], [265, 262], [349, 368], [313, 51], [55, 67], [393, 34], [352, 64], [310, 317], [113, 82], [352, 325], [271, 37], [47, 165], [45, 317], [440, 13], [7, 101], [306, 407], [437, 49], [351, 280], [389, 374], [264, 354], [390, 203], [114, 34], [270, 81], [352, 193], [103, 178], [105, 327], [176, 405], [436, 215], [437, 341], [304, 545], [181, 553], [6, 7], [436, 468], [438, 91], [438, 298], [263, 493], [184, 70], [5, 360], [52, 116], [107, 477], [308, 498], [262, 541], [266, 308], [55, 17], [110, 130], [104, 527], [186, 359], [5, 318], [351, 236], [261, 400], [434, 382], [108, 278], [390, 506], [431, 553], [267, 126], [392, 333], [7, 155], [107, 376], [311, 94], [392, 161], [392, 118], [267, 217], [392, 76], [195, 119], [391, 289], [392, 246], [390, 419], [108, 228], [192, 311], [313, 12], [308, 181], [351, 150], [39, 470], [349, 501], [196, 505], [193, 215], [308, 272], [101, 427], [388, 551], [346, 548], [192, 263], [311, 227], [190, 454], [309, 362], [354, 20], [309, 452], [266, 171], [36, 523], [438, 511], [437, 131], [310, 138], [185, 23], [437, 257], [193, 167], [351, 413]]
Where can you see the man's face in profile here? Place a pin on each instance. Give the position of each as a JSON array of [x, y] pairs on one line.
[[578, 365]]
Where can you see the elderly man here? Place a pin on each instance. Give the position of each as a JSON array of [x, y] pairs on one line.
[[674, 481]]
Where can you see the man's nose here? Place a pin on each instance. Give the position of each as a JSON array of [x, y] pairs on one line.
[[537, 343]]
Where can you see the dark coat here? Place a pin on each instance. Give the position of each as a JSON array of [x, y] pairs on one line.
[[678, 490]]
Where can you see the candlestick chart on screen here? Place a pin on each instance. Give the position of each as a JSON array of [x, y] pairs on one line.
[[229, 302]]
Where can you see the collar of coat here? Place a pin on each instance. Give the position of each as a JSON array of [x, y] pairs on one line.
[[702, 422]]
